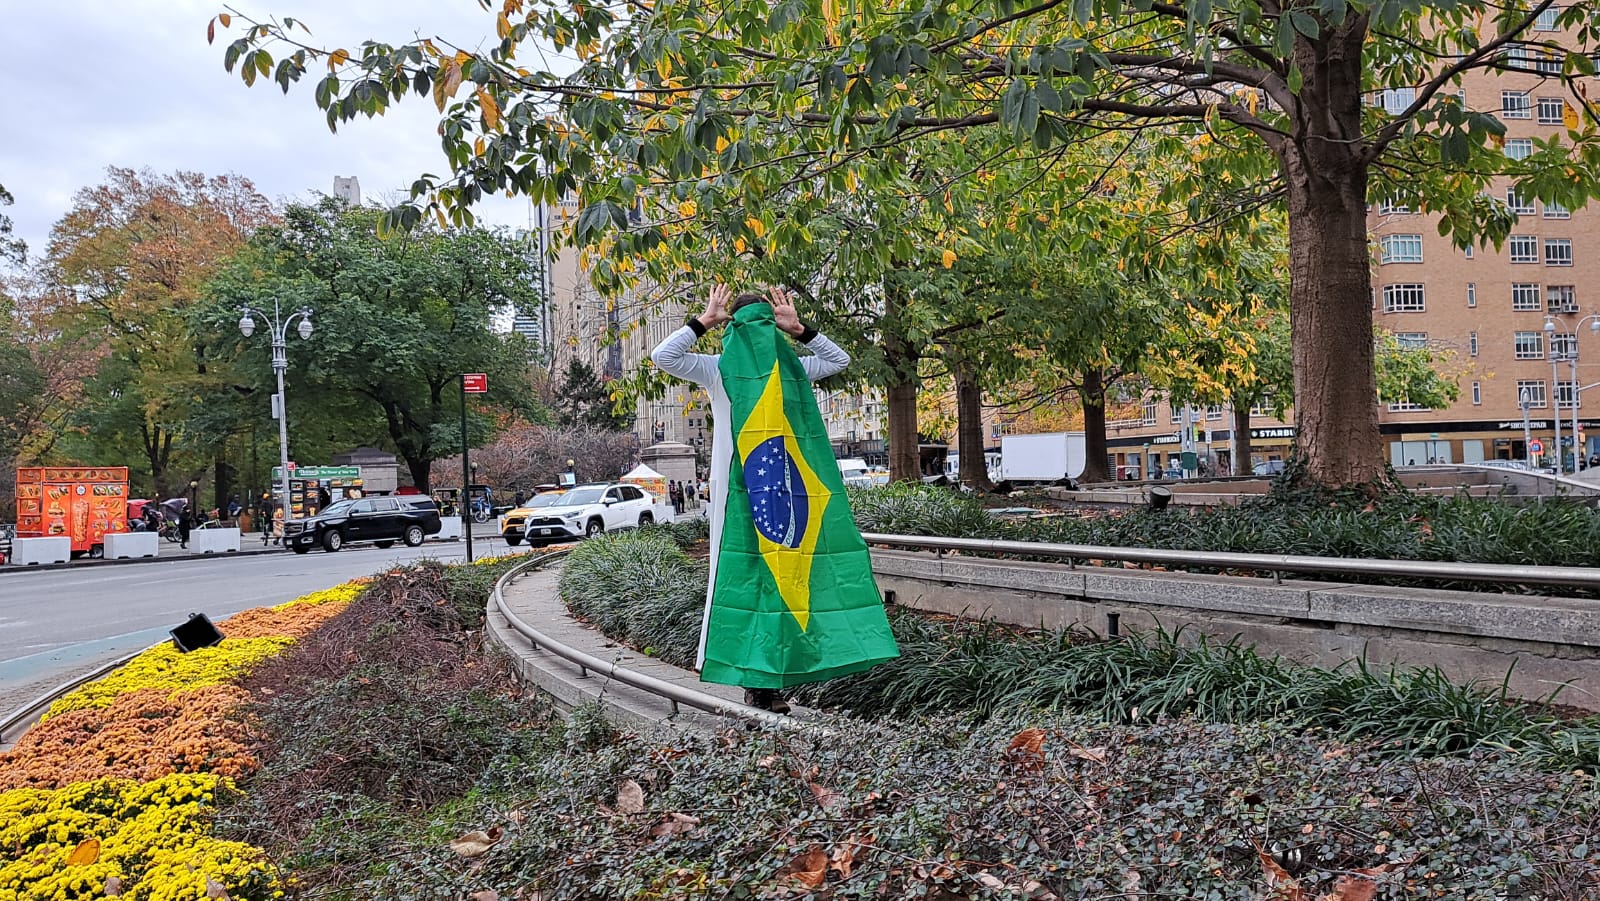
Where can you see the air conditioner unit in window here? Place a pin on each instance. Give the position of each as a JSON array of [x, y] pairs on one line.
[[1570, 306]]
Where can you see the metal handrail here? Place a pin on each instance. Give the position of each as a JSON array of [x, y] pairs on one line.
[[677, 694], [1577, 576]]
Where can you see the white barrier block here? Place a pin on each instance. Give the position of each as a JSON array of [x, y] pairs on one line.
[[450, 529], [122, 545], [56, 549], [214, 541]]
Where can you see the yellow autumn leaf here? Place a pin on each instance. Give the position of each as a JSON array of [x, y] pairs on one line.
[[502, 26], [491, 110], [722, 143], [949, 258], [87, 852], [688, 208], [478, 146], [225, 19], [757, 226], [738, 245], [337, 58], [664, 66]]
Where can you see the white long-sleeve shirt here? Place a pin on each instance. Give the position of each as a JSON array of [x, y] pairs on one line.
[[673, 357]]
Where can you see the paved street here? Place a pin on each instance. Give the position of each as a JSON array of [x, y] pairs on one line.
[[56, 624]]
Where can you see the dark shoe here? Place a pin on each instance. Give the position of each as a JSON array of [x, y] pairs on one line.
[[766, 699], [777, 704]]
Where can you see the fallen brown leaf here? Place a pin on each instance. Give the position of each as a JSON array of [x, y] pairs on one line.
[[826, 797], [1027, 749], [214, 889], [1093, 755], [809, 868], [843, 859], [1283, 887], [487, 894], [674, 824], [113, 887], [630, 798], [476, 843]]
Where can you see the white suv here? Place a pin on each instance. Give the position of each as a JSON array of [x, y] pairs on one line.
[[589, 510]]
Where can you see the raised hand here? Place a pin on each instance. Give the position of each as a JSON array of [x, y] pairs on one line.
[[783, 311], [716, 306]]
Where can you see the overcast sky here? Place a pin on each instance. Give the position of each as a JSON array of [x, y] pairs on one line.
[[96, 83]]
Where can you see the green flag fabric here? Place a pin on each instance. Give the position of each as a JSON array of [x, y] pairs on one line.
[[794, 599]]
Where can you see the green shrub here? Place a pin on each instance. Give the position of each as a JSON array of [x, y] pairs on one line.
[[902, 508]]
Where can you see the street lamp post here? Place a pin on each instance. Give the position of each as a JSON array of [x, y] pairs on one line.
[[1524, 398], [1572, 360], [1555, 383], [194, 499], [280, 363]]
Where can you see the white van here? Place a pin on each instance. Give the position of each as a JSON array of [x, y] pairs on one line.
[[855, 473]]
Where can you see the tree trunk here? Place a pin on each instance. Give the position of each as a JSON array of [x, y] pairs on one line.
[[1241, 436], [905, 453], [420, 468], [1093, 395], [1330, 268], [969, 427]]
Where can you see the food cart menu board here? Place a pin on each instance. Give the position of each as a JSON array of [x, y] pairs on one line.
[[81, 502]]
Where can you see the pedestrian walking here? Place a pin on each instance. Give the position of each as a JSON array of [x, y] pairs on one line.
[[778, 515], [277, 524], [185, 525]]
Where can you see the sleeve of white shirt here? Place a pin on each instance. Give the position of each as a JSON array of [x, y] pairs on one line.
[[672, 356], [827, 358]]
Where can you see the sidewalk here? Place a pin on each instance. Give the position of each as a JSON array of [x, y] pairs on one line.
[[535, 599]]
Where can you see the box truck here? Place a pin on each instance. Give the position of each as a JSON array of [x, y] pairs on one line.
[[1041, 458]]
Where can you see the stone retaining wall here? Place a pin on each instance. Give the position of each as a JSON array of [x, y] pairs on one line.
[[1543, 641]]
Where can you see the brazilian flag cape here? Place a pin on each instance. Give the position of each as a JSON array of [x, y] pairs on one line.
[[794, 599]]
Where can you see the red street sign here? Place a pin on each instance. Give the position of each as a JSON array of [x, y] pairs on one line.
[[475, 383], [1536, 446]]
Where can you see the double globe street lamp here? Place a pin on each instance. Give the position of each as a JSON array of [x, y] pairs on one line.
[[280, 363], [1571, 356]]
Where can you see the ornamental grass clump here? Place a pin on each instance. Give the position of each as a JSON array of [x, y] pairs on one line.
[[639, 588]]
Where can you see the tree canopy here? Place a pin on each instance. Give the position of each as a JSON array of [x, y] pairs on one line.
[[753, 118]]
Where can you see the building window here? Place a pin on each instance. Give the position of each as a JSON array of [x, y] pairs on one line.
[[1550, 110], [1553, 210], [1519, 148], [1561, 298], [1524, 249], [1214, 411], [1387, 208], [1558, 251], [1261, 408], [1530, 345], [1477, 393], [1534, 388], [1525, 297], [1522, 206], [1547, 19], [1472, 344], [1516, 105], [1177, 414], [1407, 406], [1472, 294], [1398, 100], [1563, 345], [1547, 62], [1567, 395], [1403, 298], [1412, 340], [1149, 417], [1401, 248]]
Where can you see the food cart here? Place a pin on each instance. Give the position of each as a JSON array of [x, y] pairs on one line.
[[84, 503]]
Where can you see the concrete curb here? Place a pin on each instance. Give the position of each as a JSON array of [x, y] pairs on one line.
[[12, 569]]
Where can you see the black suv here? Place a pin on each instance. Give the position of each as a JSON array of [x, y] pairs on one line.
[[380, 520]]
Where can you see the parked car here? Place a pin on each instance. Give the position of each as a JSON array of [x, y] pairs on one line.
[[379, 520], [1268, 468], [583, 511]]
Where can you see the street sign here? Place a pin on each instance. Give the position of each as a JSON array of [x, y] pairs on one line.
[[1536, 446], [475, 383], [317, 472]]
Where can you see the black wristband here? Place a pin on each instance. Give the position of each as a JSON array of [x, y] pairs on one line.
[[695, 325], [806, 336]]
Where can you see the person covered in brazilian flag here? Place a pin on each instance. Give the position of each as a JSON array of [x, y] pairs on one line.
[[791, 596]]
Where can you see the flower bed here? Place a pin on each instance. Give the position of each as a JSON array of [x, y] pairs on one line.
[[112, 792]]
